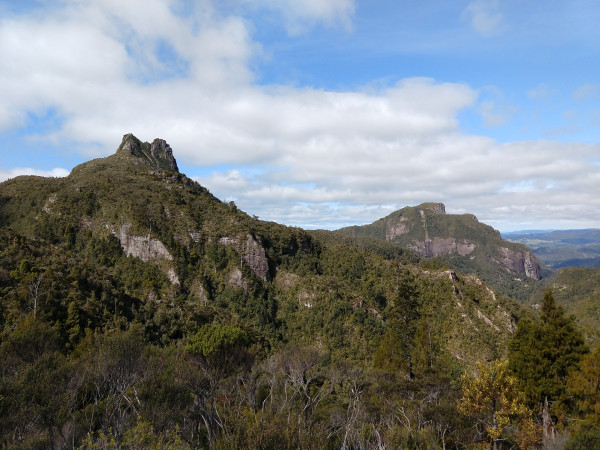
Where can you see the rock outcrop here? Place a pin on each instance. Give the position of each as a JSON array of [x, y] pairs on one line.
[[236, 278], [251, 253], [532, 266], [436, 208], [442, 246], [523, 263], [254, 255], [147, 249], [157, 155], [144, 247], [397, 229]]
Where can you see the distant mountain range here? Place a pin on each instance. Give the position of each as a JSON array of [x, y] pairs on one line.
[[562, 248]]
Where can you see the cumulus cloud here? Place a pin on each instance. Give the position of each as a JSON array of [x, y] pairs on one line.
[[91, 61], [302, 156], [537, 181]]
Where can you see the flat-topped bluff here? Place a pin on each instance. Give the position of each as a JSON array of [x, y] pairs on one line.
[[463, 242], [157, 154]]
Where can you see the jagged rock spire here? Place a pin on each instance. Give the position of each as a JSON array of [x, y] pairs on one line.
[[158, 155]]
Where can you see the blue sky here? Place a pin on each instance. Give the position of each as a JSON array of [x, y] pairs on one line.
[[320, 114]]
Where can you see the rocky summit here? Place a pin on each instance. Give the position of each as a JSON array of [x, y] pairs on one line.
[[157, 155]]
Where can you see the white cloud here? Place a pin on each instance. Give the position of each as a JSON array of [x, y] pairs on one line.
[[587, 91], [12, 173], [540, 92], [544, 181], [491, 115], [299, 16], [303, 156], [485, 17]]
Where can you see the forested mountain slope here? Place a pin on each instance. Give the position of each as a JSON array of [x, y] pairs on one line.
[[138, 309], [577, 290]]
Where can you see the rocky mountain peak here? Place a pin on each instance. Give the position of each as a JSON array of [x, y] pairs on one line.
[[436, 208], [158, 154]]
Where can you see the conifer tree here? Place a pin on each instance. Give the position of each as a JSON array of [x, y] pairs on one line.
[[72, 323], [542, 353], [584, 385]]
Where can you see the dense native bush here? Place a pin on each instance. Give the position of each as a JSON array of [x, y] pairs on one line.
[[347, 342]]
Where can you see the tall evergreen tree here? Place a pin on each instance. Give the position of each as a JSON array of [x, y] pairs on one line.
[[542, 353], [584, 385], [72, 323]]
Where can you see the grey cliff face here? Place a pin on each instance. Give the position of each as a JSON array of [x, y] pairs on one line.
[[437, 208], [161, 152], [251, 252], [532, 266], [523, 263], [254, 255], [442, 246], [145, 248]]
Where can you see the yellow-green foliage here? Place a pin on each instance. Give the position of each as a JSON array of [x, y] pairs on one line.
[[492, 397]]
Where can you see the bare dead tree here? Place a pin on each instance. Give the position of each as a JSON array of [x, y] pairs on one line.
[[35, 293]]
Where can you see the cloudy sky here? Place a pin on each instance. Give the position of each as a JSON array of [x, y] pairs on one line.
[[320, 113]]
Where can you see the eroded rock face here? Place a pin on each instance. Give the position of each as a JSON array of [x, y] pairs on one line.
[[397, 229], [162, 153], [443, 246], [236, 278], [144, 247], [172, 275], [228, 241], [437, 208], [532, 266], [523, 263], [512, 260], [252, 254]]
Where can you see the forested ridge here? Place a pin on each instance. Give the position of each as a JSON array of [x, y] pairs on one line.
[[139, 311]]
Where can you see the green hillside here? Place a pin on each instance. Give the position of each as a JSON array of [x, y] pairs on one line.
[[577, 290], [138, 310]]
